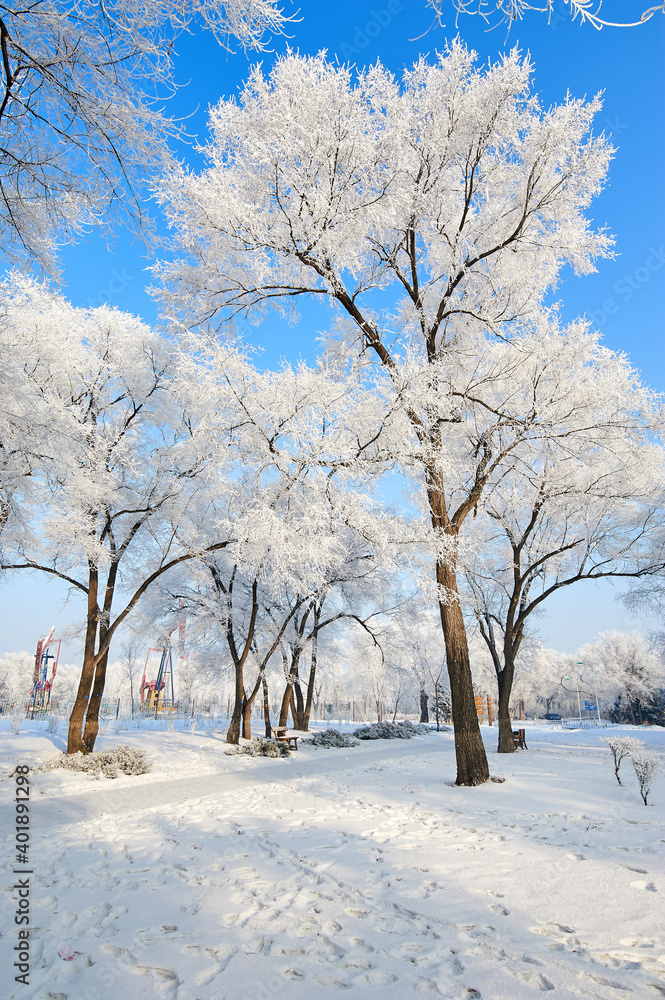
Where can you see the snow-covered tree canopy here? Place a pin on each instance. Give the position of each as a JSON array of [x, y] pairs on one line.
[[454, 186], [79, 118]]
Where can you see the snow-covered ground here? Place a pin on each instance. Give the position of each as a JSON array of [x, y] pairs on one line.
[[221, 877]]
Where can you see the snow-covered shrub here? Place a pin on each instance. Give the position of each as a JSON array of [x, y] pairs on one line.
[[260, 748], [646, 767], [17, 720], [620, 747], [332, 738], [53, 723], [109, 763], [389, 731]]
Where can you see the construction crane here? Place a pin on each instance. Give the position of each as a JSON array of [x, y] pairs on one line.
[[40, 695]]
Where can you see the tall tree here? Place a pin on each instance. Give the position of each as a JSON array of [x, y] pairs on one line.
[[577, 501], [307, 440], [455, 194], [119, 498]]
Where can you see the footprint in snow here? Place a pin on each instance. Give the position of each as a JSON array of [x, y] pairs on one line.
[[576, 857], [642, 884], [296, 974]]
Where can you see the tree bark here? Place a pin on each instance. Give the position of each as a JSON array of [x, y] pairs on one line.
[[284, 707], [247, 708], [91, 727], [472, 766], [266, 708], [313, 663], [76, 720], [233, 732], [505, 680], [297, 704]]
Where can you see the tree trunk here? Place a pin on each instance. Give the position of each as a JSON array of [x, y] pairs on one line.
[[284, 708], [75, 735], [91, 728], [312, 668], [297, 705], [266, 708], [233, 732], [472, 766], [247, 708], [505, 680]]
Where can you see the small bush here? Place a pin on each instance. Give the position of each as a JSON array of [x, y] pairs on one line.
[[260, 748], [109, 763], [646, 767], [331, 738], [390, 731], [620, 747]]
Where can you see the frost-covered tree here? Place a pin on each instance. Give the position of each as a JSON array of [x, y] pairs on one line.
[[576, 503], [120, 498], [82, 90], [435, 214], [308, 440], [629, 673]]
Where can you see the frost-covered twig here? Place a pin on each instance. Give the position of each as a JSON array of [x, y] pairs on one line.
[[512, 10]]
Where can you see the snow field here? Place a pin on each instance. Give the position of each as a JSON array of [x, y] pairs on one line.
[[365, 870]]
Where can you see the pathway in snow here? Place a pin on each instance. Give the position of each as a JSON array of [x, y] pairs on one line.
[[359, 870]]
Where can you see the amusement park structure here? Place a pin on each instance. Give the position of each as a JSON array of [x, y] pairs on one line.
[[48, 648], [157, 694]]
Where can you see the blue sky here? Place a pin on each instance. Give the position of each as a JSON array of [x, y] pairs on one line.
[[625, 299]]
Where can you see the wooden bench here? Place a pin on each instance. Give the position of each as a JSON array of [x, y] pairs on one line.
[[519, 739], [281, 736]]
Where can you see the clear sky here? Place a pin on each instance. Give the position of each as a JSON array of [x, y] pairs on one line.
[[625, 299]]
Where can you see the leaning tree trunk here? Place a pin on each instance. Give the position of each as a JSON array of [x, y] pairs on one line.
[[297, 704], [505, 680], [313, 663], [247, 709], [472, 766], [291, 678], [284, 707], [75, 742], [233, 732], [91, 727]]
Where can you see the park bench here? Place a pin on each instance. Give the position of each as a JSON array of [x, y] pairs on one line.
[[281, 736], [519, 739]]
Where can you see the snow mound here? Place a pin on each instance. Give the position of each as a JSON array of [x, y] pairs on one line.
[[260, 748], [331, 738], [390, 731], [109, 763]]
